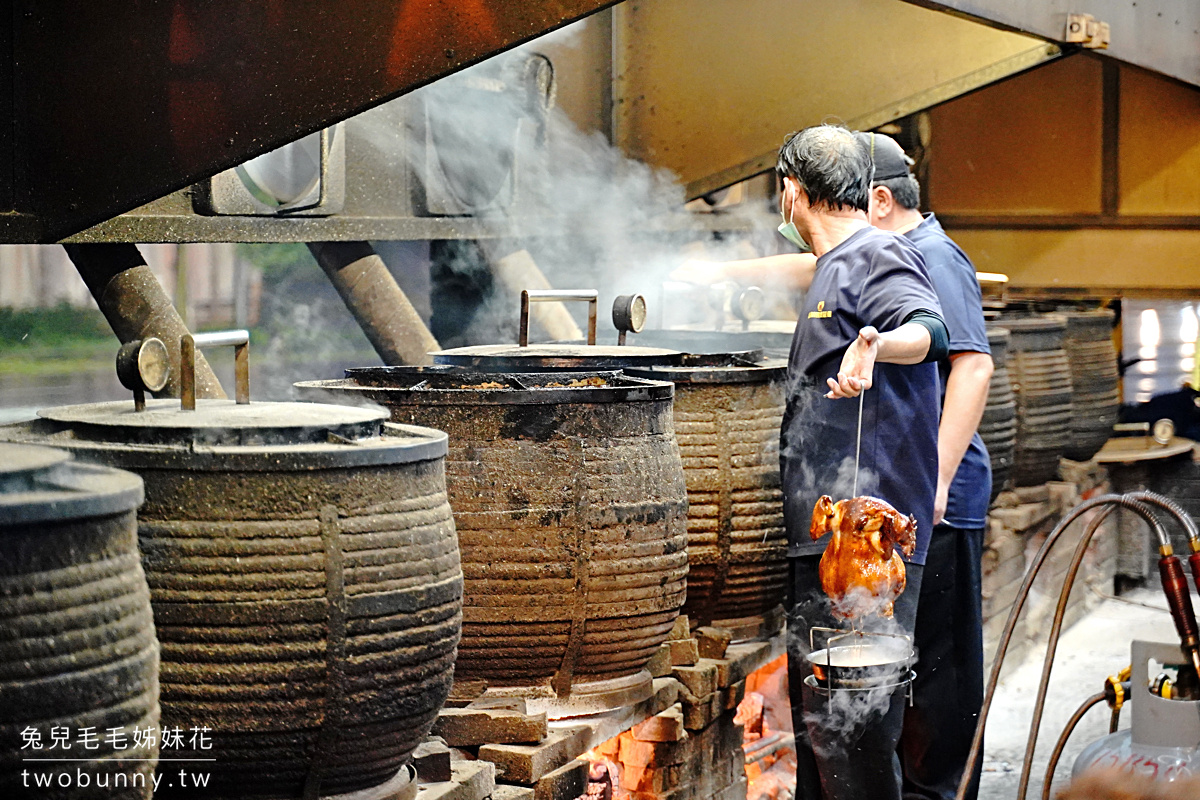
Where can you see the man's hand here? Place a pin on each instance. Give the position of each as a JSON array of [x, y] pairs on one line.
[[940, 499], [858, 366]]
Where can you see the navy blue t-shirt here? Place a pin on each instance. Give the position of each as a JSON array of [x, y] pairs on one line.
[[953, 277], [872, 278]]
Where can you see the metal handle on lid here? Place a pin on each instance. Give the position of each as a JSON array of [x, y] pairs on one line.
[[239, 340], [628, 315], [748, 305], [143, 365], [558, 296]]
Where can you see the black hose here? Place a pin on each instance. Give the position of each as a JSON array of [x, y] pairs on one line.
[[1062, 740]]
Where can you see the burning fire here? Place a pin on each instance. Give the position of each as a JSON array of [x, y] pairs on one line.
[[767, 742], [766, 719], [604, 776]]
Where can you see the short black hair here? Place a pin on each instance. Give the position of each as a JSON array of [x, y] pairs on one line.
[[830, 164], [905, 190]]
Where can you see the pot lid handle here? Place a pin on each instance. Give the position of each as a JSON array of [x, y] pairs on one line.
[[239, 340], [143, 365], [557, 296]]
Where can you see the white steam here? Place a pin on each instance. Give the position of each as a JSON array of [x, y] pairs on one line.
[[490, 143], [839, 717]]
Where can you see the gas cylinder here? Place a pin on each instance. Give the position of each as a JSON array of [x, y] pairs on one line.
[[1161, 742]]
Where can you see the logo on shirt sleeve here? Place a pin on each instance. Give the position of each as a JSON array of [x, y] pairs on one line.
[[820, 313]]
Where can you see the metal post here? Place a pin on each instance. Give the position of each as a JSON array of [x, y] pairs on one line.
[[187, 370], [137, 307]]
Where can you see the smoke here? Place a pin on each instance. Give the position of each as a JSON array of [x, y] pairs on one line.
[[489, 142], [813, 477], [338, 397], [836, 722], [837, 727], [309, 335]]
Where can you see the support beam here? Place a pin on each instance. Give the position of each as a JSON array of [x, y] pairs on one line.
[[779, 65], [1035, 56], [137, 307], [518, 271], [378, 304]]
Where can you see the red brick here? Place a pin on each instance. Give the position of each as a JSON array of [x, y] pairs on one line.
[[664, 727]]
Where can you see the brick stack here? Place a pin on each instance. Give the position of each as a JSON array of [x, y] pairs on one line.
[[528, 760], [681, 744], [443, 776], [693, 750], [662, 760], [1018, 524]]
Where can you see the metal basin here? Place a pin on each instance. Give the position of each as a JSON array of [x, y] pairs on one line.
[[873, 661]]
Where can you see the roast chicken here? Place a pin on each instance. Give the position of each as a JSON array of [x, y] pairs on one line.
[[861, 570]]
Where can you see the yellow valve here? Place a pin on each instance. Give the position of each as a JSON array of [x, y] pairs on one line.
[[1162, 687], [1114, 688]]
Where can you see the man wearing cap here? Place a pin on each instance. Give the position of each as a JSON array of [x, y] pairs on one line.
[[948, 691], [870, 320]]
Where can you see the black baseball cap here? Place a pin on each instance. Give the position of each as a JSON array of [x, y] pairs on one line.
[[890, 159]]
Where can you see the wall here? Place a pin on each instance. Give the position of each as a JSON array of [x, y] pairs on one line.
[[709, 88], [1079, 177]]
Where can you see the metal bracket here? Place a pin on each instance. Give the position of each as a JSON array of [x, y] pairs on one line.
[[1088, 31], [239, 340], [557, 296]]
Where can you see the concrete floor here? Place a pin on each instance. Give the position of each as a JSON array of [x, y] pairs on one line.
[[1094, 648]]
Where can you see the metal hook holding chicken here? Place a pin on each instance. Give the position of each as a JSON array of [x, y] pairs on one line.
[[861, 570]]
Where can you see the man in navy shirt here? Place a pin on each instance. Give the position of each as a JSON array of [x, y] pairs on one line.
[[948, 691], [870, 321]]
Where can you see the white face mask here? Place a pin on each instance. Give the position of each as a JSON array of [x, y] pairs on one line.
[[788, 229]]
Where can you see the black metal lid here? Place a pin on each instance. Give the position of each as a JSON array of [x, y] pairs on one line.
[[772, 336], [43, 484], [730, 369], [223, 435], [555, 357], [704, 343], [448, 385]]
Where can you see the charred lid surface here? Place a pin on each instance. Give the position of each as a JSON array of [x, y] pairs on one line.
[[746, 346], [448, 385], [773, 336], [221, 434], [719, 370], [545, 357]]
